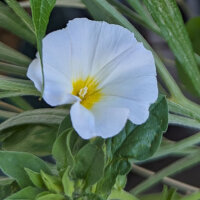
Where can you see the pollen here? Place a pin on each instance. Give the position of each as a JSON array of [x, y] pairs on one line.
[[87, 90]]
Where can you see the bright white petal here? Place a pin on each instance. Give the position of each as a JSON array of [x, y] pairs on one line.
[[94, 44], [57, 52], [138, 111], [57, 87], [109, 121], [83, 121], [142, 89], [34, 73]]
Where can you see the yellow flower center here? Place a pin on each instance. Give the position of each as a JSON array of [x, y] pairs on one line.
[[87, 90]]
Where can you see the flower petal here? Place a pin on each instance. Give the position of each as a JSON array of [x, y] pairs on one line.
[[94, 44], [83, 121], [57, 87], [109, 121]]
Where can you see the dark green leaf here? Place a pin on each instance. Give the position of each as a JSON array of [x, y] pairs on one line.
[[59, 150], [36, 139], [89, 164], [65, 124], [142, 141], [7, 187], [193, 29], [113, 169], [164, 12], [28, 193], [13, 164]]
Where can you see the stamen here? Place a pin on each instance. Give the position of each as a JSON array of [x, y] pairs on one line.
[[83, 92]]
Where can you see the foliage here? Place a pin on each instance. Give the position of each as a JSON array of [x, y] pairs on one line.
[[97, 168]]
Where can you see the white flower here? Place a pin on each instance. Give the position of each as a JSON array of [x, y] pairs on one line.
[[102, 70]]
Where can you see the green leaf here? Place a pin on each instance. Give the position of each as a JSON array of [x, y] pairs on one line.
[[35, 178], [7, 187], [51, 197], [41, 10], [113, 169], [13, 164], [7, 54], [21, 13], [164, 12], [121, 195], [10, 69], [141, 142], [28, 193], [65, 148], [46, 116], [68, 184], [65, 124], [89, 164], [52, 183], [59, 150], [11, 22], [18, 85], [37, 139], [193, 29]]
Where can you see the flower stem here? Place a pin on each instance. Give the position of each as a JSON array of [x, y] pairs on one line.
[[166, 180]]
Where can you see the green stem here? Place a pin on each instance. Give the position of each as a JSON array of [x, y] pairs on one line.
[[122, 195], [183, 121], [170, 170]]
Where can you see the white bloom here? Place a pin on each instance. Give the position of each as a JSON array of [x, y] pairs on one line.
[[102, 70]]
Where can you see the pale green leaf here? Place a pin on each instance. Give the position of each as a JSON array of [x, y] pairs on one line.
[[38, 116]]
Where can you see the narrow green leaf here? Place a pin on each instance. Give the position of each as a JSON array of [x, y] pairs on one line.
[[89, 164], [13, 164], [20, 12], [11, 22], [164, 12], [17, 85], [10, 69], [20, 102], [46, 116], [41, 10], [35, 178], [28, 193], [7, 54], [6, 114]]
